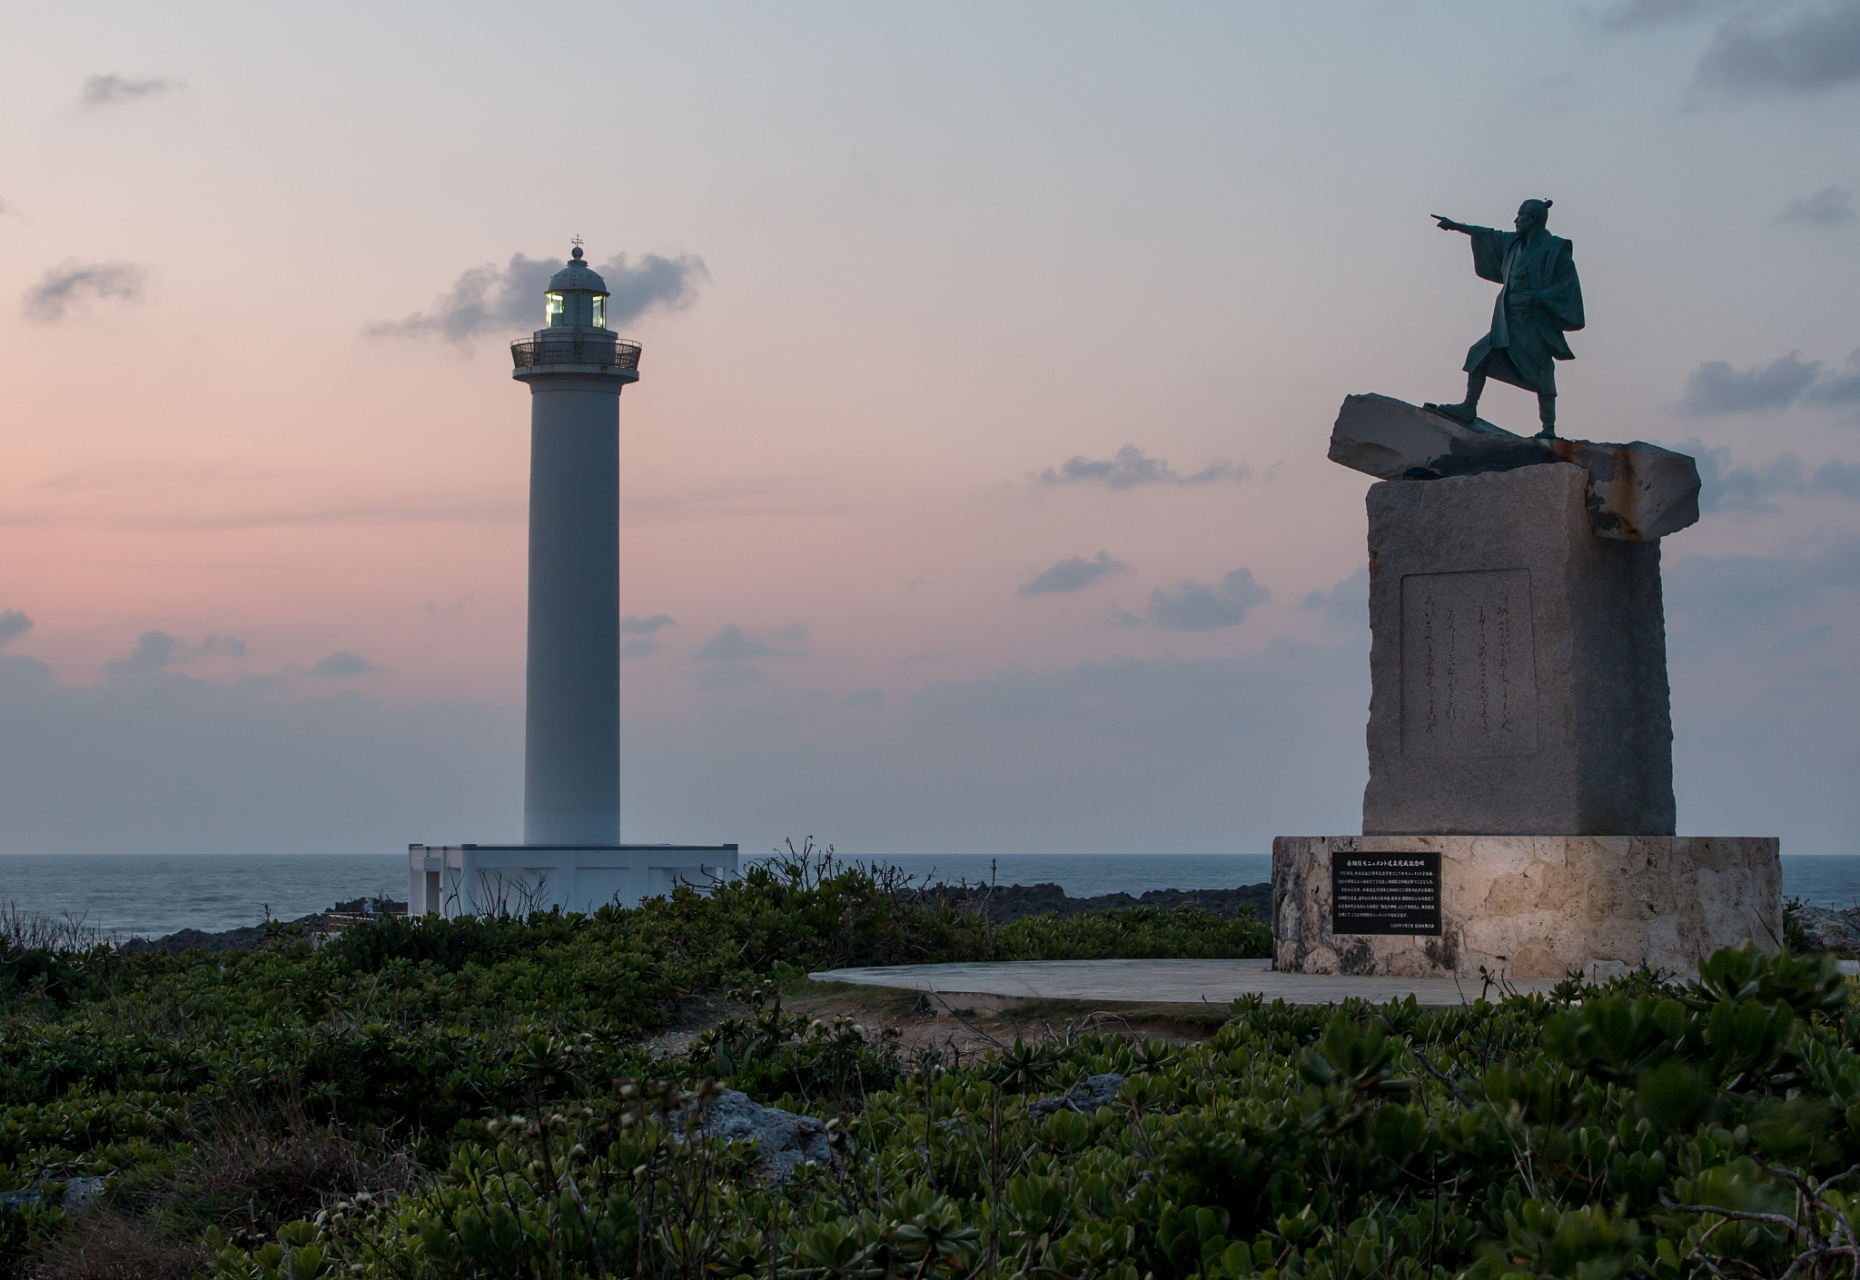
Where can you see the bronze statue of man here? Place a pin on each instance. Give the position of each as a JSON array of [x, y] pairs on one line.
[[1539, 301]]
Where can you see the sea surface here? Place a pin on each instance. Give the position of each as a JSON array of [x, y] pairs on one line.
[[148, 895]]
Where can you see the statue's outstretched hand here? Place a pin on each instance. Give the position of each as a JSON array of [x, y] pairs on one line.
[[1447, 224]]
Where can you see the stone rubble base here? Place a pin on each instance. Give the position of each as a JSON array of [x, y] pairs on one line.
[[1533, 907]]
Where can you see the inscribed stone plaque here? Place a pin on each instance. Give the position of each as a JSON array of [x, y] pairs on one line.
[[1468, 665], [1384, 892]]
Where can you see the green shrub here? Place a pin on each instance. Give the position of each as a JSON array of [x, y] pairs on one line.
[[457, 1099]]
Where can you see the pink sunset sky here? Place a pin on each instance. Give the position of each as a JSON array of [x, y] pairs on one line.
[[974, 492]]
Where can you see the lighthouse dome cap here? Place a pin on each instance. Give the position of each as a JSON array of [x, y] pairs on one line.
[[577, 277]]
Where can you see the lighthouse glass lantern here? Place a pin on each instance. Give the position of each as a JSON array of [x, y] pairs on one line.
[[577, 297]]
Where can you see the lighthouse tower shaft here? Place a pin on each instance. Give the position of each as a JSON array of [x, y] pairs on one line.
[[571, 781], [575, 369]]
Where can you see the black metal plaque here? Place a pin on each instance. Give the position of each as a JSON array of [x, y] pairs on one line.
[[1377, 892]]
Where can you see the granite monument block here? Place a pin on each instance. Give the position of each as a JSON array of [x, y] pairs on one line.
[[1518, 663]]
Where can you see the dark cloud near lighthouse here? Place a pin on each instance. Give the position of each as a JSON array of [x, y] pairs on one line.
[[499, 300]]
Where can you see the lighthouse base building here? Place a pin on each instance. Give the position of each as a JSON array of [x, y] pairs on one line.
[[571, 857]]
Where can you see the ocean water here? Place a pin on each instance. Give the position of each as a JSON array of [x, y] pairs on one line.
[[151, 895]]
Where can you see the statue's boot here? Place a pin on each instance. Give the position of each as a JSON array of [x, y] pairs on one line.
[[1467, 410], [1546, 413]]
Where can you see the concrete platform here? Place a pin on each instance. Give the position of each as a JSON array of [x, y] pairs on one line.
[[1159, 982]]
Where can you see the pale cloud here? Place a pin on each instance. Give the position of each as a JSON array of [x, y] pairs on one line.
[[1194, 607], [1627, 15], [1130, 468], [1806, 49], [1752, 487], [1713, 599], [1716, 388], [114, 90], [1841, 388], [1074, 573], [13, 625], [733, 644], [645, 641], [73, 286], [1346, 605], [158, 650], [342, 664], [1828, 207]]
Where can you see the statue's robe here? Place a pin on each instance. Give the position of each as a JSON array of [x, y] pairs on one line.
[[1526, 337]]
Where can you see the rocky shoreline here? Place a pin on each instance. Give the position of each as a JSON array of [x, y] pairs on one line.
[[251, 937], [1005, 904], [1828, 930]]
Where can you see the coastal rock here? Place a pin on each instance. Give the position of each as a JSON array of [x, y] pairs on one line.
[[1085, 1097], [1836, 931], [782, 1138], [1637, 492], [76, 1194]]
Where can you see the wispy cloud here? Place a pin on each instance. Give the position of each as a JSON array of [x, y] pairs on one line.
[[1194, 607], [13, 625], [1346, 605], [732, 644], [1828, 207], [1716, 388], [645, 641], [73, 285], [342, 664], [1712, 598], [1841, 388], [491, 299], [1074, 573], [1627, 15], [1805, 50], [114, 91], [1753, 487], [158, 650], [1130, 469]]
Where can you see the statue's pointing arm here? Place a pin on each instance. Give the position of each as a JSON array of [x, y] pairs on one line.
[[1488, 246]]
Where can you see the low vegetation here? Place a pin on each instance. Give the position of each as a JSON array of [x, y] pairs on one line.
[[476, 1099]]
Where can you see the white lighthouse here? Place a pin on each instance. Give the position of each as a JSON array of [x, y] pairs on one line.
[[575, 368], [571, 855]]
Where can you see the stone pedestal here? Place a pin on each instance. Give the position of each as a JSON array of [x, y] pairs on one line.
[[1538, 906], [1518, 663], [1519, 812]]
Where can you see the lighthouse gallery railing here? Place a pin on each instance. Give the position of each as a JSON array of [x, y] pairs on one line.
[[607, 352]]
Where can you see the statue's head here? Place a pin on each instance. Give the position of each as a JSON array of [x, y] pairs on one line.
[[1532, 214]]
